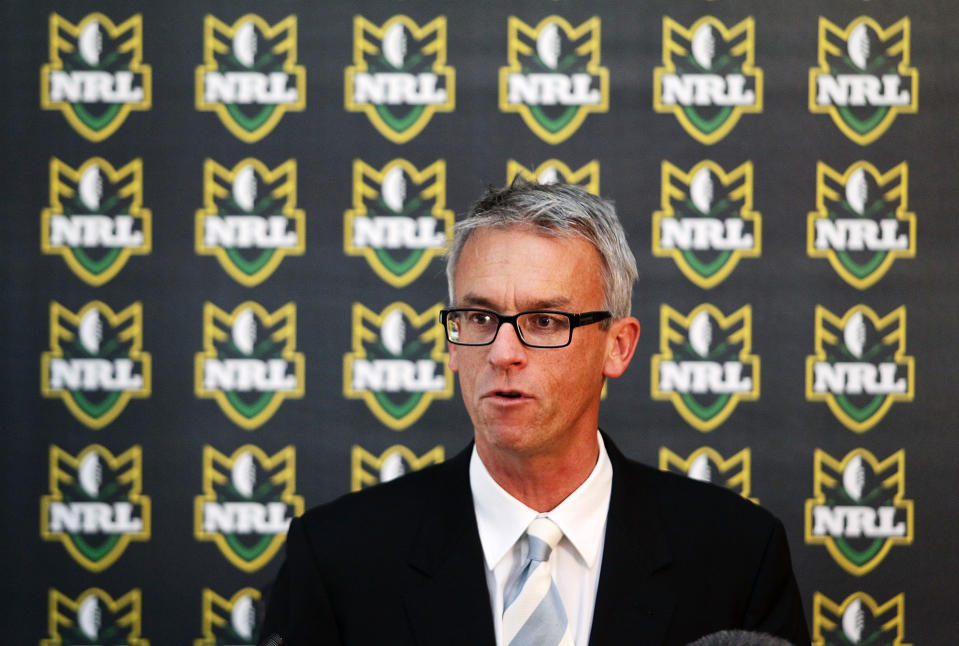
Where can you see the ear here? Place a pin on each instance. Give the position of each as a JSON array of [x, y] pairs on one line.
[[622, 339]]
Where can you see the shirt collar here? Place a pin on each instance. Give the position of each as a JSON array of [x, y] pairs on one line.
[[501, 519]]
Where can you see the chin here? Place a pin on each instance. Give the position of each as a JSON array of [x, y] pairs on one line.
[[517, 439]]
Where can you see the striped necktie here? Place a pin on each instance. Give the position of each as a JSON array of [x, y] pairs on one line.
[[533, 612]]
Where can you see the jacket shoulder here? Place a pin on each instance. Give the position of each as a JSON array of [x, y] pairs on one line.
[[387, 508], [691, 507]]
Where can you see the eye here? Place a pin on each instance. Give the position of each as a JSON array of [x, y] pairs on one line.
[[478, 318], [544, 321]]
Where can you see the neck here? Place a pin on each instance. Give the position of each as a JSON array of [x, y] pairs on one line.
[[542, 480]]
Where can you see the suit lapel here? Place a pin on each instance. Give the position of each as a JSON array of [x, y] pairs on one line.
[[447, 601], [636, 594]]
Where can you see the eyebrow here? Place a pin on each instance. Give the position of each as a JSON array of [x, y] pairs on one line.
[[474, 300]]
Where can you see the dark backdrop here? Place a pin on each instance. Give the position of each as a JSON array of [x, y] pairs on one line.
[[782, 428]]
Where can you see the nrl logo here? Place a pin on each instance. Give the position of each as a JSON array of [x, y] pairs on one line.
[[398, 365], [858, 620], [249, 363], [707, 465], [554, 79], [707, 223], [709, 78], [95, 363], [95, 619], [95, 507], [230, 621], [862, 224], [553, 171], [863, 80], [96, 220], [399, 76], [95, 77], [704, 366], [249, 76], [858, 511], [860, 367], [369, 469], [250, 221], [247, 503], [399, 221]]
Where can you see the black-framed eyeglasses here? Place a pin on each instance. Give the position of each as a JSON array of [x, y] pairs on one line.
[[535, 328]]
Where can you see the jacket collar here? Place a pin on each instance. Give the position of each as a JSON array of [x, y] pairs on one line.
[[447, 601], [636, 594]]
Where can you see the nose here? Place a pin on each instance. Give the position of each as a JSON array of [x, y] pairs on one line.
[[507, 349]]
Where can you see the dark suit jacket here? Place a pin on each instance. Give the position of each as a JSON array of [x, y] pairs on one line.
[[401, 563]]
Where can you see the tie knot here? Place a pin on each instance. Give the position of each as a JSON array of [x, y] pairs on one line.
[[543, 535]]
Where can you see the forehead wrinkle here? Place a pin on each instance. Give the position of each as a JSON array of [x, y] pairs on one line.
[[475, 300]]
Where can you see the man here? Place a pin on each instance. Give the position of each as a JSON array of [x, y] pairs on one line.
[[541, 532]]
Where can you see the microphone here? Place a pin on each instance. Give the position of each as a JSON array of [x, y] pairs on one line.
[[273, 640]]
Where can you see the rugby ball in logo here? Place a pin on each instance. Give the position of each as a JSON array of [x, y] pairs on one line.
[[854, 478], [701, 334], [704, 46], [243, 474], [90, 188], [392, 467], [90, 475], [244, 331], [244, 44], [88, 617], [701, 191], [549, 175], [243, 617], [700, 469], [548, 45], [857, 191], [854, 334], [394, 45], [90, 331], [90, 43], [393, 333], [244, 188], [853, 621], [394, 189], [858, 46]]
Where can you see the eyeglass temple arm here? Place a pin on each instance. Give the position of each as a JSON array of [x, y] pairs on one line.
[[587, 318]]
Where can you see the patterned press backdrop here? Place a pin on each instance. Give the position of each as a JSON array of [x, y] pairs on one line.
[[222, 268]]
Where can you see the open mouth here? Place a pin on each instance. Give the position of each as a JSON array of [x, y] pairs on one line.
[[509, 394]]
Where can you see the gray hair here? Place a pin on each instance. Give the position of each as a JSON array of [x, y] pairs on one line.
[[740, 638], [559, 210]]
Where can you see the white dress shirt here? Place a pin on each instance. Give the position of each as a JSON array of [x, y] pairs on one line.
[[575, 563]]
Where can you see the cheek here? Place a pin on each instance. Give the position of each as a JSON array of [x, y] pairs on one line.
[[580, 372], [454, 357], [463, 365]]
